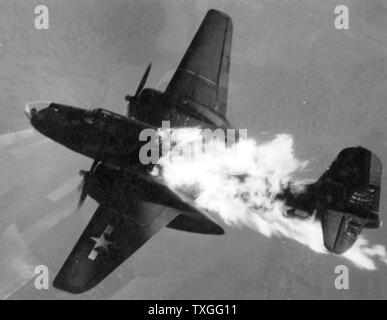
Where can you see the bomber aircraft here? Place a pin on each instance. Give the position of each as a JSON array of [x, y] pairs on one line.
[[133, 205]]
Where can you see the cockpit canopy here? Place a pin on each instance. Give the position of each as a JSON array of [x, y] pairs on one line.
[[71, 113], [68, 112]]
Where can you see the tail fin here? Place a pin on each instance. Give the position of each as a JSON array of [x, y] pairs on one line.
[[346, 198], [353, 180], [351, 192]]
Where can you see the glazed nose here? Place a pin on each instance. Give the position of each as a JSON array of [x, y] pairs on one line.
[[32, 108]]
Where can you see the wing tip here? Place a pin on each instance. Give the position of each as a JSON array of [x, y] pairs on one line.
[[64, 285], [67, 288], [65, 282], [218, 13]]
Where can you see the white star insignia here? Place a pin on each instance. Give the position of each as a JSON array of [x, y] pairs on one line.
[[101, 242]]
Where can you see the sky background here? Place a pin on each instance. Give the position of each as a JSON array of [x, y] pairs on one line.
[[291, 72]]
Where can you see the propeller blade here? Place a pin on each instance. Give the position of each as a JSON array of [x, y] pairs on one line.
[[93, 166], [84, 183], [80, 185], [143, 81], [83, 195]]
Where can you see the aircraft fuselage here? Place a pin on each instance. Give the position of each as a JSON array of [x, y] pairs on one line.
[[114, 141], [98, 134]]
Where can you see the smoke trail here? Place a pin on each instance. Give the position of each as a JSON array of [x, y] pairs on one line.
[[240, 184]]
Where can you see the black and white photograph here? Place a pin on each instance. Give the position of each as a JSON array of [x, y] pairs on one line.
[[196, 150]]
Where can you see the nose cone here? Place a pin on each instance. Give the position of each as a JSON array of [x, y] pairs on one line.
[[32, 108]]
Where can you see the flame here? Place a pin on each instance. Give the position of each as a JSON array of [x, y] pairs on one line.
[[240, 184]]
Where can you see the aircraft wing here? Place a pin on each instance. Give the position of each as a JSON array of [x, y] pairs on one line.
[[108, 240], [201, 80]]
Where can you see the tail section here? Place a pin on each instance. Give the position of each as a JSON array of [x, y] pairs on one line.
[[346, 198], [352, 189]]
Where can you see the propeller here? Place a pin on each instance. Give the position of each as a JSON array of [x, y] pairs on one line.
[[83, 186], [141, 86]]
